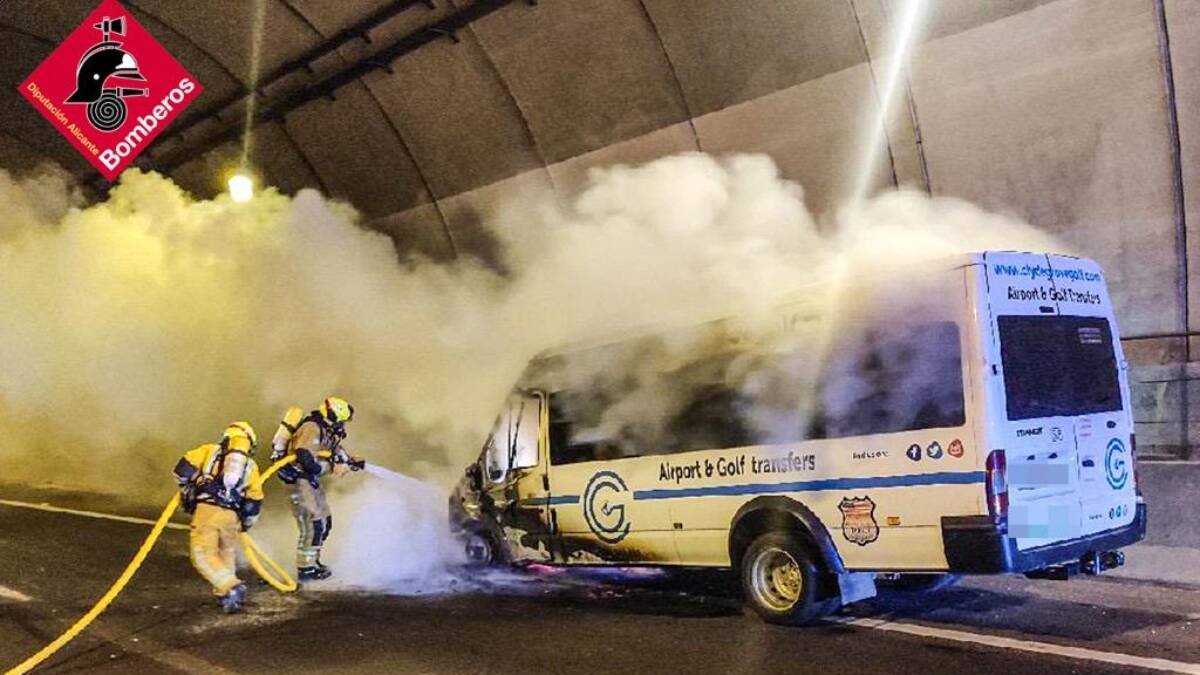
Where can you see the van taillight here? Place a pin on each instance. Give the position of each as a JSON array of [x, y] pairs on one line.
[[997, 485]]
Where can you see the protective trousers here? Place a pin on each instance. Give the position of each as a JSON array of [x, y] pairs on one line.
[[312, 518], [214, 541]]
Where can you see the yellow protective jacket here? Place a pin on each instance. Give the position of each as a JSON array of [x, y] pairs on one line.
[[307, 440], [231, 473]]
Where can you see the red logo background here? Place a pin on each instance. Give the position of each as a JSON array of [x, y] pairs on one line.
[[55, 78]]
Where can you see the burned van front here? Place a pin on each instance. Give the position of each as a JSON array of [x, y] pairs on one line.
[[499, 507]]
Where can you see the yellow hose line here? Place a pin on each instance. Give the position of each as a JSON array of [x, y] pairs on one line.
[[263, 476], [118, 586], [268, 569], [271, 571]]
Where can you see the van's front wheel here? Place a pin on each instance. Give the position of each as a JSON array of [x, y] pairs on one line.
[[479, 549], [781, 580]]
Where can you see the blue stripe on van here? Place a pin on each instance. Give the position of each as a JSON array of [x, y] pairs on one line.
[[942, 478], [551, 501]]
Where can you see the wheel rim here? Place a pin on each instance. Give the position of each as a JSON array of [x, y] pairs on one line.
[[478, 549], [775, 579]]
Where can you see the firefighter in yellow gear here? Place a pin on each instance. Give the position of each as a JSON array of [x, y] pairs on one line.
[[315, 442], [219, 484]]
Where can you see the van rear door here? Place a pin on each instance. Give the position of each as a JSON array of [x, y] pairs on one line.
[[1100, 393], [1063, 393]]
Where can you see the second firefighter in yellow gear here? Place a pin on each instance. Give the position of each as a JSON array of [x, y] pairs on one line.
[[220, 487], [315, 443]]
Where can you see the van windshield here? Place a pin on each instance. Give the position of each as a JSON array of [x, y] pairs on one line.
[[1058, 366]]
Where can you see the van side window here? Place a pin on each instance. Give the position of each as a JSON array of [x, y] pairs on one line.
[[574, 435], [712, 418], [875, 381], [561, 449], [902, 379]]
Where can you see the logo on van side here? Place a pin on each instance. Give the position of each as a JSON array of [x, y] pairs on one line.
[[604, 508], [858, 520], [1116, 467]]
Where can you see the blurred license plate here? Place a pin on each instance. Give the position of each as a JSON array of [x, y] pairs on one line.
[[1038, 475], [1042, 522]]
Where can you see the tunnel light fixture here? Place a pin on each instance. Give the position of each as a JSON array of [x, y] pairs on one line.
[[241, 188]]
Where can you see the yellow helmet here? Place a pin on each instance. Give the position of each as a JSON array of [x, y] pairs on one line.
[[240, 430], [336, 411]]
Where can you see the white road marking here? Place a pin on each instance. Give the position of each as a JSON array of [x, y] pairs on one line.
[[1023, 645], [139, 645], [87, 514], [918, 630], [10, 594]]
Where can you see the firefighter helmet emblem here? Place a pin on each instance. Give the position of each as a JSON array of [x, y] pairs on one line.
[[858, 520], [106, 60]]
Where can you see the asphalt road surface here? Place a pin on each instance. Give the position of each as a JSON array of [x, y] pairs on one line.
[[54, 565]]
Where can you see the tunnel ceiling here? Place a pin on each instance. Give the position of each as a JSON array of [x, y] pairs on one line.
[[395, 104]]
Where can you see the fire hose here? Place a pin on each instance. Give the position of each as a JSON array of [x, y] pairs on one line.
[[263, 565]]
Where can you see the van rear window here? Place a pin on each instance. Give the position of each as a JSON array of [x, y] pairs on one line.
[[1058, 366]]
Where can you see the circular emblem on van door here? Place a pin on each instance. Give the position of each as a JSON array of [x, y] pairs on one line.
[[1116, 464], [604, 503]]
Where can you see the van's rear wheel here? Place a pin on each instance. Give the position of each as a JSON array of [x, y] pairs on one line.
[[781, 580]]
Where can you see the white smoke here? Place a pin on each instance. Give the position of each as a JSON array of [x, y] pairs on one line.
[[389, 533], [134, 329]]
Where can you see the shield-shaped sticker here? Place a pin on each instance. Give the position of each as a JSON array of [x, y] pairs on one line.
[[858, 520]]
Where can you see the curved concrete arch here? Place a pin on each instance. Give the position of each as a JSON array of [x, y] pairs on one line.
[[691, 117]]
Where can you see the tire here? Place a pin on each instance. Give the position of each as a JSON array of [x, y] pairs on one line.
[[923, 583], [479, 549], [782, 581]]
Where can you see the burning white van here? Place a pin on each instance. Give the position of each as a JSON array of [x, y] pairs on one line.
[[971, 416]]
